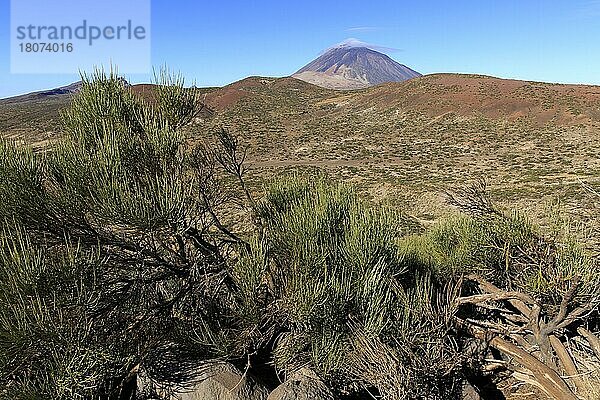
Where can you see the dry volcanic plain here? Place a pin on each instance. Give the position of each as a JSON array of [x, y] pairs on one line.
[[405, 143]]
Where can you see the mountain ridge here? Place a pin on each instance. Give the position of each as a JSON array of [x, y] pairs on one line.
[[351, 67], [436, 129], [435, 95], [62, 90]]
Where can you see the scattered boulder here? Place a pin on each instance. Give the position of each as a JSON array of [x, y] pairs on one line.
[[219, 381], [302, 385]]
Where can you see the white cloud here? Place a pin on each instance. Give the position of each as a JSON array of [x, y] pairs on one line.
[[362, 29], [353, 42]]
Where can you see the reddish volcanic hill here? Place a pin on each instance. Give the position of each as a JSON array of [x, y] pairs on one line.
[[529, 139], [433, 95], [493, 98]]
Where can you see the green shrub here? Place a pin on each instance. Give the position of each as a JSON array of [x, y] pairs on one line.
[[508, 250], [52, 347], [114, 257], [111, 249], [342, 298]]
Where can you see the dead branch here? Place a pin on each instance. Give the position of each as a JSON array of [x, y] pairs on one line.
[[576, 314], [566, 361], [544, 377], [518, 303], [500, 295], [591, 339], [564, 304], [472, 199]]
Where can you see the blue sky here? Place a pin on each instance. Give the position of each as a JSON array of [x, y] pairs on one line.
[[218, 42]]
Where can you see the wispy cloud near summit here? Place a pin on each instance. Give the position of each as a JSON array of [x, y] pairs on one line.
[[352, 42], [362, 29]]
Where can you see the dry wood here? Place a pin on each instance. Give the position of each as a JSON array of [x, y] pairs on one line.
[[496, 296], [549, 381], [567, 362], [488, 287], [592, 340], [540, 370], [576, 314], [561, 317]]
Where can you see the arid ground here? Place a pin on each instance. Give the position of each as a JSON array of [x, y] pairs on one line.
[[407, 143]]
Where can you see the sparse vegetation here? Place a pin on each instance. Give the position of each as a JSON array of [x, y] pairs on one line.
[[127, 247]]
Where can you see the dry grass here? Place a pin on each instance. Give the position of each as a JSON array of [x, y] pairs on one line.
[[406, 143]]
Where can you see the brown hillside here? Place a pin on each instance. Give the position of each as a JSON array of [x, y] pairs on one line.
[[440, 94], [408, 141], [492, 97], [223, 98], [405, 141]]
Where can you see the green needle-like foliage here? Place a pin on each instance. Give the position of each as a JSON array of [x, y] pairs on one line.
[[338, 287], [112, 253], [115, 258], [51, 345], [508, 250]]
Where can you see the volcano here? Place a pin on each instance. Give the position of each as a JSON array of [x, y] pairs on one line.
[[347, 67]]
